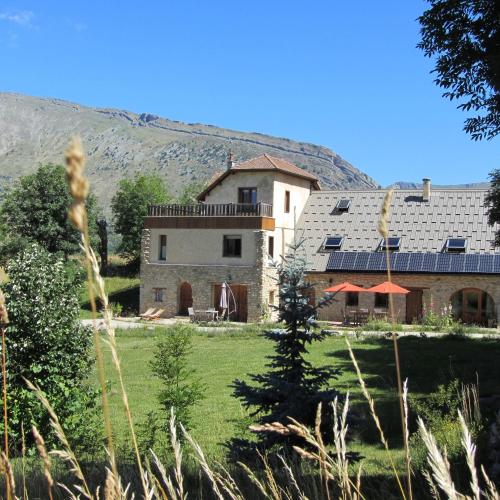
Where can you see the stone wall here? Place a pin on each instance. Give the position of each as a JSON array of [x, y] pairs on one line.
[[437, 290], [169, 277]]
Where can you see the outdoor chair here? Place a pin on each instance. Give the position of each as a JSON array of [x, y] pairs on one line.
[[156, 315], [192, 315], [214, 313], [147, 313]]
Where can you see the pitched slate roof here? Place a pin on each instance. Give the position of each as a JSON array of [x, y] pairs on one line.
[[263, 163], [423, 226]]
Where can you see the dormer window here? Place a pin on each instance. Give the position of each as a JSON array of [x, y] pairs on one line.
[[456, 245], [333, 242], [343, 205], [391, 244]]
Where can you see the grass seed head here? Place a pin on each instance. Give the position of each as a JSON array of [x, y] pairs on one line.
[[78, 184], [4, 317], [383, 223]]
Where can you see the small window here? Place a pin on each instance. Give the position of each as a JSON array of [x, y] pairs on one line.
[[352, 299], [382, 300], [287, 202], [231, 246], [343, 205], [392, 244], [271, 298], [456, 245], [270, 247], [333, 242], [247, 196], [159, 294], [162, 247]]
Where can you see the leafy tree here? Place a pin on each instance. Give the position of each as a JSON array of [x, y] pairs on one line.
[[36, 209], [47, 345], [190, 192], [181, 390], [292, 387], [465, 37], [493, 202], [130, 206]]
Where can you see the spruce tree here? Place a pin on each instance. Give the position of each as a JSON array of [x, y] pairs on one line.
[[292, 387]]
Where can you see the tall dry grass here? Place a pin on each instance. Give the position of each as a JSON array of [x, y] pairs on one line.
[[336, 476]]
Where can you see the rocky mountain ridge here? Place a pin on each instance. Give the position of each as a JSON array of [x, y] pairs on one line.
[[120, 143]]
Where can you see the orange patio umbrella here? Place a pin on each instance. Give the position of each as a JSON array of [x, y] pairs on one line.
[[388, 287], [345, 287]]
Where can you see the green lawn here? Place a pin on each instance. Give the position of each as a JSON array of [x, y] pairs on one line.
[[220, 358], [123, 290]]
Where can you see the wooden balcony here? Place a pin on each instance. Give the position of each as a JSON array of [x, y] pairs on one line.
[[212, 210], [211, 216]]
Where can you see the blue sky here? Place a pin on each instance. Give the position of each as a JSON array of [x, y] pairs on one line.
[[342, 74]]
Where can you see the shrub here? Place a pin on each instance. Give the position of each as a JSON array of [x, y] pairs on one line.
[[181, 389], [47, 345]]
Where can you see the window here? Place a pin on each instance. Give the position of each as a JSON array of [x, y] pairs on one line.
[[392, 244], [456, 245], [270, 247], [333, 242], [162, 247], [247, 196], [352, 299], [287, 202], [158, 294], [271, 298], [382, 300], [231, 246], [343, 205]]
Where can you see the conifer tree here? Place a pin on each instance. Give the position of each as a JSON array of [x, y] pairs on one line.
[[292, 387]]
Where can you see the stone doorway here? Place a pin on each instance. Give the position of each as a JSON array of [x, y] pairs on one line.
[[185, 298]]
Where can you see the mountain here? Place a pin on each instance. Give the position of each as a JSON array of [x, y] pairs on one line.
[[418, 185], [120, 143]]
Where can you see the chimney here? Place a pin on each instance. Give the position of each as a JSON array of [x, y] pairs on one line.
[[426, 189], [230, 160]]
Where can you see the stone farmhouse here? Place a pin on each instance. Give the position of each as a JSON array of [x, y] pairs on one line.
[[441, 247]]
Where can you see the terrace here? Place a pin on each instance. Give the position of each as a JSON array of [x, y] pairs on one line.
[[212, 210]]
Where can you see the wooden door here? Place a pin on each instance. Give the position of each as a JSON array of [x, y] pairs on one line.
[[185, 298], [414, 305], [472, 306], [241, 298]]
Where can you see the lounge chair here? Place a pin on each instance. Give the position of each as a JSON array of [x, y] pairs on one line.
[[156, 315], [147, 313]]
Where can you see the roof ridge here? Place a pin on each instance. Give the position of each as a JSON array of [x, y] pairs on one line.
[[270, 158]]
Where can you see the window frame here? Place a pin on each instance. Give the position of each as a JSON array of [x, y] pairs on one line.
[[159, 295], [385, 244], [343, 209], [348, 299], [252, 191], [333, 247], [287, 202], [232, 237], [162, 257], [381, 301], [270, 246], [462, 249]]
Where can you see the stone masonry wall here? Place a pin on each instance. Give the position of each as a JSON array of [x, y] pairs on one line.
[[437, 290], [169, 277]]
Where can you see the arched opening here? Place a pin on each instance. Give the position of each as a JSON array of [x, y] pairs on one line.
[[472, 305], [185, 298]]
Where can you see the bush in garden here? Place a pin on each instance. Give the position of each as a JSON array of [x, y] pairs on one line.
[[47, 345]]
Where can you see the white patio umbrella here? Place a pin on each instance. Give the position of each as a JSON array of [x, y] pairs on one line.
[[223, 303]]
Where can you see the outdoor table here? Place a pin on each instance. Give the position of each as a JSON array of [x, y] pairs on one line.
[[207, 315]]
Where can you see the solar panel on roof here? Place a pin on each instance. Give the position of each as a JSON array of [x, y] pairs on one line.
[[376, 262], [486, 264], [401, 262], [496, 264], [471, 263], [442, 263], [457, 263]]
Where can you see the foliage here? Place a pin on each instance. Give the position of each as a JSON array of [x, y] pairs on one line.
[[438, 321], [492, 201], [465, 37], [180, 390], [439, 411], [47, 345], [130, 205], [190, 192], [36, 209], [292, 387]]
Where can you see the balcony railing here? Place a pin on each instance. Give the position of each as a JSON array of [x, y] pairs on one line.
[[212, 210]]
